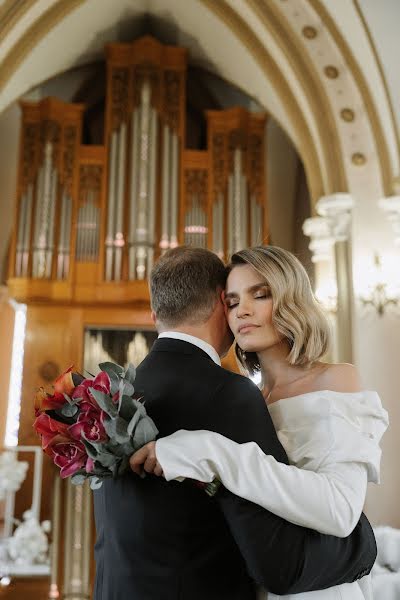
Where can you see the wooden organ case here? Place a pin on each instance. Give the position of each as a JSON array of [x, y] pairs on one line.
[[91, 220]]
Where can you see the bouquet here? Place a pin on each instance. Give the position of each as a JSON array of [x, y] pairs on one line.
[[91, 426]]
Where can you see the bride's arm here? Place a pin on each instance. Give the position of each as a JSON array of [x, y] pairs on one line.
[[329, 501]]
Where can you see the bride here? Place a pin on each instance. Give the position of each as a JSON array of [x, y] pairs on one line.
[[329, 427]]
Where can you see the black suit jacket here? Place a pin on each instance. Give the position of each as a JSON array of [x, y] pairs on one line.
[[170, 541]]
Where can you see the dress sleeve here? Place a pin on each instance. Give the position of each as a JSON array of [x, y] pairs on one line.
[[329, 499]]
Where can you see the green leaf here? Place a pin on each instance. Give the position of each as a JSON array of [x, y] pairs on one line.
[[145, 431], [126, 388], [95, 483], [78, 479], [104, 401], [130, 373], [91, 451], [126, 408], [114, 383], [139, 414], [116, 429], [69, 410], [106, 459], [109, 367], [123, 466]]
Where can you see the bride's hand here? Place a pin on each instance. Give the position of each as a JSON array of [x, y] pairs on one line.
[[146, 459]]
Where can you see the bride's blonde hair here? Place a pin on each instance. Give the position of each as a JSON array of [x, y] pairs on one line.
[[296, 314]]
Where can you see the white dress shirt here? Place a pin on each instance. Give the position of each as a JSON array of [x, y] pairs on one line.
[[191, 339]]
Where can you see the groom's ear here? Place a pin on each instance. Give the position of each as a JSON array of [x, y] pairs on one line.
[[153, 317]]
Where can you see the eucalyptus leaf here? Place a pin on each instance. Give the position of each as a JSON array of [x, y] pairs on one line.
[[108, 367], [130, 373], [91, 451], [69, 410], [123, 466], [126, 388], [95, 483], [114, 382], [134, 421], [78, 479], [126, 408], [116, 429], [106, 459], [104, 401], [145, 432], [126, 449]]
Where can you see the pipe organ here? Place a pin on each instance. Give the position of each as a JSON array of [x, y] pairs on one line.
[[91, 220]]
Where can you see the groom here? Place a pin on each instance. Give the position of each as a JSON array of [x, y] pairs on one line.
[[170, 541]]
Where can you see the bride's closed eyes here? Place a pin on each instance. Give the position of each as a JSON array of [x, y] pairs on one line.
[[257, 292]]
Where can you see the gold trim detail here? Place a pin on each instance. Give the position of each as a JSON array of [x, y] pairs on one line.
[[378, 134], [310, 80], [309, 32], [381, 72], [358, 159], [347, 114], [45, 23], [11, 12], [331, 71]]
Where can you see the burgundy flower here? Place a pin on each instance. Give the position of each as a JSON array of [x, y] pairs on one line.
[[101, 382], [90, 425], [69, 455]]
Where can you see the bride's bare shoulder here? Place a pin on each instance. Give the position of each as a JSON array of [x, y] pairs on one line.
[[340, 377]]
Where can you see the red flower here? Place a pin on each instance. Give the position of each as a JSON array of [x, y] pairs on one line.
[[101, 382], [45, 401], [69, 455], [90, 424], [48, 429]]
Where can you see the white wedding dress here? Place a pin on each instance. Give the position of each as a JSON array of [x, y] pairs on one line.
[[332, 442]]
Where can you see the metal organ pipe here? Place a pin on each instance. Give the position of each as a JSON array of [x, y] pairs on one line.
[[111, 205], [174, 174], [152, 188], [143, 197], [120, 195], [133, 192], [164, 243]]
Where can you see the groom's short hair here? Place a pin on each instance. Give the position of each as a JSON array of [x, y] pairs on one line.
[[185, 284]]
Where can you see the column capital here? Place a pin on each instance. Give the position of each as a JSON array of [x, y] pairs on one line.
[[322, 241], [391, 207], [337, 209]]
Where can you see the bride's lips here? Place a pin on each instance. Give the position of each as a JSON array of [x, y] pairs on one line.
[[246, 327]]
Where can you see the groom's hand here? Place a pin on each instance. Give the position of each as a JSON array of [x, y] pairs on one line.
[[145, 459]]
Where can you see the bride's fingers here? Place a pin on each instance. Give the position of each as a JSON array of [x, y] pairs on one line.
[[158, 470], [137, 460], [150, 464]]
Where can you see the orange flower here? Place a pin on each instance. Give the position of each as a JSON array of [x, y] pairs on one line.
[[45, 401], [64, 384]]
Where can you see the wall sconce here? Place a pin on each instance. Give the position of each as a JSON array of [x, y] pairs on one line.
[[379, 293]]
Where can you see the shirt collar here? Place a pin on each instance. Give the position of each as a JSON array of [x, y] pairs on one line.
[[191, 339]]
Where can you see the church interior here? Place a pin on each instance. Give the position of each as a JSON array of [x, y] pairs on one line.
[[134, 126]]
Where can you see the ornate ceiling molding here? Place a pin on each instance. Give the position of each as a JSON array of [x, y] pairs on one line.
[[326, 173]]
